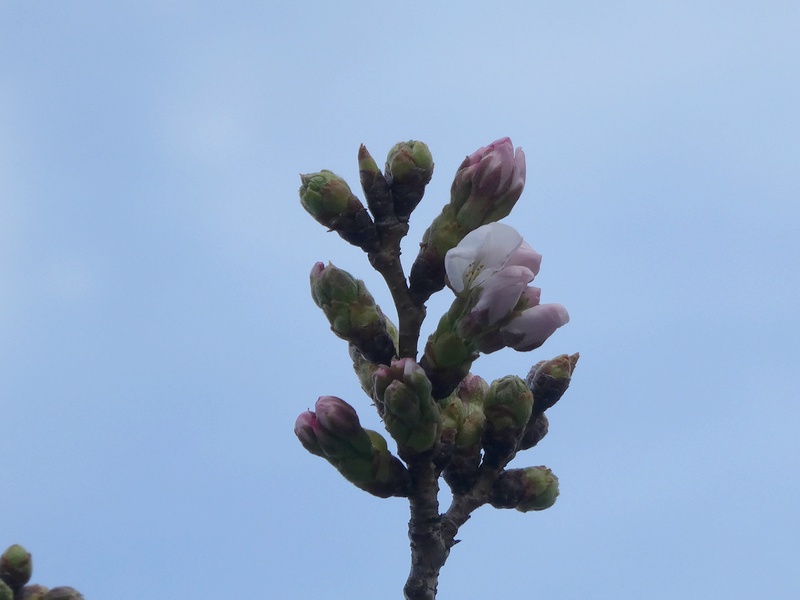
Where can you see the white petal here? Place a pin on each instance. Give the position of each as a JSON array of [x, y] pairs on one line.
[[502, 291], [535, 325], [480, 254], [527, 257]]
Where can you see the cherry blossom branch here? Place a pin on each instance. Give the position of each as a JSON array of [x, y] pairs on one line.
[[445, 421]]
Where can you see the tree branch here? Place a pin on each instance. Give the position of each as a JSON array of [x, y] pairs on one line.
[[386, 261], [428, 550]]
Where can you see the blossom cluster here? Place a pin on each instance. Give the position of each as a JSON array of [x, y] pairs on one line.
[[492, 267]]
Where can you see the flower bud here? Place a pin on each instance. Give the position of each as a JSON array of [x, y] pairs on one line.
[[360, 455], [549, 379], [532, 488], [409, 412], [452, 418], [376, 187], [305, 428], [409, 168], [16, 567], [339, 432], [5, 591], [488, 184], [448, 356], [462, 469], [63, 593], [508, 406], [472, 391], [352, 312], [328, 199]]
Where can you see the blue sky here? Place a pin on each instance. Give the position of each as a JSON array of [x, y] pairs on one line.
[[157, 336]]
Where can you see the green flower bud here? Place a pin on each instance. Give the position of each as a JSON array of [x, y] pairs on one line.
[[473, 389], [472, 392], [508, 407], [449, 350], [549, 379], [328, 199], [409, 168], [532, 488], [447, 357], [16, 567], [402, 404], [462, 469], [409, 412], [63, 593], [508, 403], [5, 591], [352, 312]]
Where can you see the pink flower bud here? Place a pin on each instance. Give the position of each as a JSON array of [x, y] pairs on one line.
[[337, 416], [305, 429], [498, 168], [488, 183]]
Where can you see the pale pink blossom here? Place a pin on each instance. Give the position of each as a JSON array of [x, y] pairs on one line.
[[533, 326], [485, 251], [492, 260], [502, 291]]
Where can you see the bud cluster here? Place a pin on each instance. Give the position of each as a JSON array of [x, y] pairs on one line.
[[489, 271], [391, 195], [444, 420], [403, 397], [16, 568], [461, 470]]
